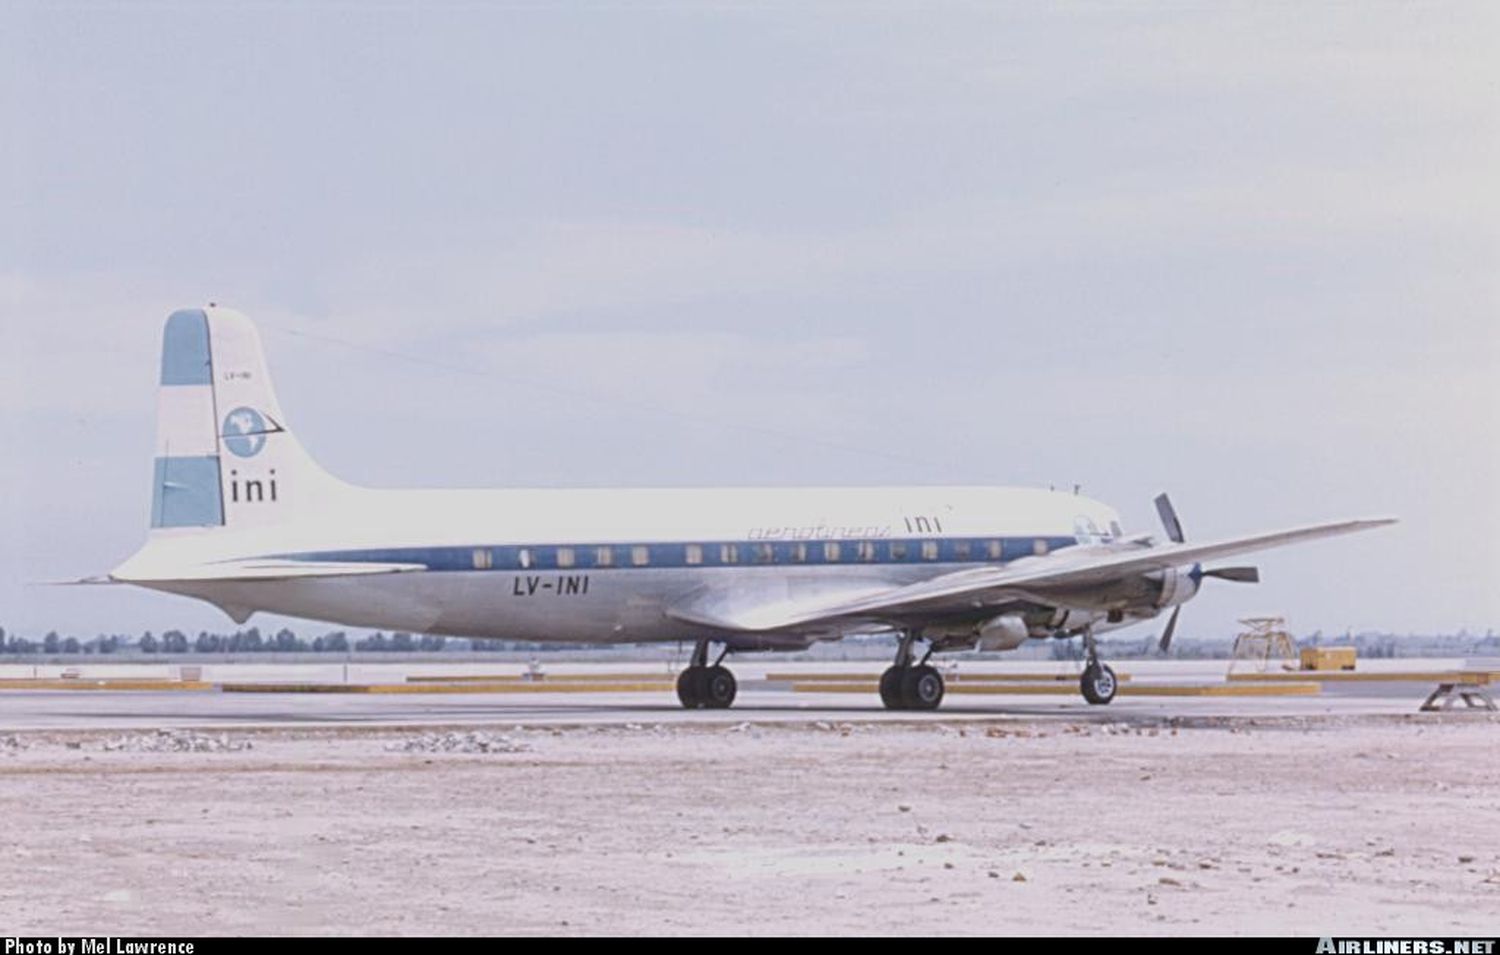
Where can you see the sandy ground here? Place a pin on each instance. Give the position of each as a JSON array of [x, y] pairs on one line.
[[1341, 825]]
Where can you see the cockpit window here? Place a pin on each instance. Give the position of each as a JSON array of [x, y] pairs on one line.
[[1086, 531]]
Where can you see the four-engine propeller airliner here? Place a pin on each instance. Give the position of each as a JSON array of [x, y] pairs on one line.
[[241, 517]]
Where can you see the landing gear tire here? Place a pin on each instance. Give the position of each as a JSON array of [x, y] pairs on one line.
[[911, 688], [1098, 684], [690, 688], [719, 687], [706, 688], [922, 688], [890, 688]]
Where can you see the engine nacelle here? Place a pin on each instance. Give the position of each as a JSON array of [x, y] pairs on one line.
[[1063, 622], [1176, 585], [1005, 632]]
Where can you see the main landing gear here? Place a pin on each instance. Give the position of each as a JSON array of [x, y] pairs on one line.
[[1098, 681], [905, 686], [705, 687]]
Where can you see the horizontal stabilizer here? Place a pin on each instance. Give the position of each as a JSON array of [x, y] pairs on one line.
[[281, 569]]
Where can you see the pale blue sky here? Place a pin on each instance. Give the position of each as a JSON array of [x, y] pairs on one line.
[[1245, 253]]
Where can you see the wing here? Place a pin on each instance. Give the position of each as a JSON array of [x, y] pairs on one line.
[[967, 589]]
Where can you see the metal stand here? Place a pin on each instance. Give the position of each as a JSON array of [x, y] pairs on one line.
[[1266, 638], [1474, 695]]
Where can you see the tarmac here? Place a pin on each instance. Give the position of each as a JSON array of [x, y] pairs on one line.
[[389, 695], [499, 805]]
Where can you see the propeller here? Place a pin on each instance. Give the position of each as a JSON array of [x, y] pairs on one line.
[[1240, 575], [1168, 515], [1173, 527]]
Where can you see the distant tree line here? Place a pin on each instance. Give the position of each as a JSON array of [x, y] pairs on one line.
[[241, 641], [251, 640]]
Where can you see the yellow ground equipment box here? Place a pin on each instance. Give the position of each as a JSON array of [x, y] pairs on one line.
[[1328, 658]]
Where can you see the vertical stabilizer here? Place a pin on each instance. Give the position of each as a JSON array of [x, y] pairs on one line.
[[224, 454]]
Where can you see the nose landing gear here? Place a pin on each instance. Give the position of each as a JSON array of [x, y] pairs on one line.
[[1098, 681]]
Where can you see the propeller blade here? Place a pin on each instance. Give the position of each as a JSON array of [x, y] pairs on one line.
[[1240, 575], [1172, 627], [1168, 515], [1166, 635]]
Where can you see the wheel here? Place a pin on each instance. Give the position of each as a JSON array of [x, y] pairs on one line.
[[922, 688], [690, 689], [890, 688], [1098, 684], [718, 688]]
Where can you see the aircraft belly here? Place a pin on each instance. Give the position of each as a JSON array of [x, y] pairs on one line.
[[382, 602]]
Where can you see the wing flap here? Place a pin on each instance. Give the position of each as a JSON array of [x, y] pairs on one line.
[[756, 607]]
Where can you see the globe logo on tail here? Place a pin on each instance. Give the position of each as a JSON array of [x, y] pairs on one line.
[[244, 432]]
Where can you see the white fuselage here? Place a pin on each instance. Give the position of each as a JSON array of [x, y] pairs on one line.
[[600, 566]]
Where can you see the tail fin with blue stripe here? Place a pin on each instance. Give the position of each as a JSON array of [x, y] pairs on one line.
[[224, 455]]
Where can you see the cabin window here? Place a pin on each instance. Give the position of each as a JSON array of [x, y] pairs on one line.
[[831, 551], [604, 557], [929, 550], [765, 553], [799, 553], [640, 555], [1039, 547], [1116, 529], [523, 557], [693, 554], [729, 553], [994, 550], [897, 550], [483, 559], [961, 550], [865, 550], [566, 557]]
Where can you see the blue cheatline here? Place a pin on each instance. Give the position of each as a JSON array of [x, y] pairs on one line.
[[810, 553], [184, 349]]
